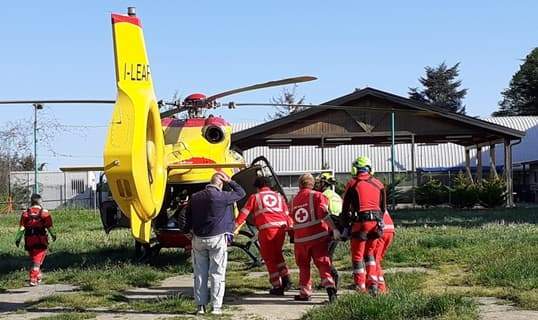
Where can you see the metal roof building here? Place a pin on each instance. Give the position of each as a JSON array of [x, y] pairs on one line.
[[428, 156]]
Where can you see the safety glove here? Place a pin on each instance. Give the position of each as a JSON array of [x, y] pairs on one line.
[[52, 233], [291, 234], [337, 236], [18, 237]]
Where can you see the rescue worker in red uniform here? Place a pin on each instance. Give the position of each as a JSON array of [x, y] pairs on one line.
[[271, 218], [312, 229], [381, 248], [364, 204], [34, 224]]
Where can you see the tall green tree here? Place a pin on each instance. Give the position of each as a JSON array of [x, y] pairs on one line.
[[441, 87], [521, 96]]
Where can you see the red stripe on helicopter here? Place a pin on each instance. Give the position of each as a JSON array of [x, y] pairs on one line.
[[117, 18], [194, 122]]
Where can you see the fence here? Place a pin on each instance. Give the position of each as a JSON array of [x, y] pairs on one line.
[[58, 189]]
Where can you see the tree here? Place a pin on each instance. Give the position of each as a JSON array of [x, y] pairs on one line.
[[521, 96], [290, 100], [441, 88]]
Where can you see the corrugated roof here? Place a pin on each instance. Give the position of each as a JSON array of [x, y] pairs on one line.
[[306, 158]]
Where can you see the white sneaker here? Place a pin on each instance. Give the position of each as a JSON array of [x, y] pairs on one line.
[[216, 311], [200, 310]]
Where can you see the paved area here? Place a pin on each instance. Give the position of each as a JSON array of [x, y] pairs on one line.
[[19, 298], [257, 306], [499, 309]]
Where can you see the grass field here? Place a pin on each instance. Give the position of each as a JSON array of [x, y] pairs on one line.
[[467, 254]]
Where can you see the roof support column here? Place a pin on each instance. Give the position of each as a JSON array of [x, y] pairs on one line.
[[508, 173], [478, 164], [413, 171], [493, 161], [468, 164]]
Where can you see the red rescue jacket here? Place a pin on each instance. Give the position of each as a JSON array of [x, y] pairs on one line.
[[269, 209], [368, 194], [36, 221], [309, 210], [389, 224]]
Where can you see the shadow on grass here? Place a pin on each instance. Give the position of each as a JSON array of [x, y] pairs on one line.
[[58, 260]]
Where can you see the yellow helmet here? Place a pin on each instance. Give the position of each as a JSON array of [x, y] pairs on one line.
[[327, 177], [361, 162]]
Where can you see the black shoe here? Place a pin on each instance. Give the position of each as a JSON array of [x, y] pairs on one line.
[[301, 298], [331, 292], [373, 291], [286, 283], [278, 291], [336, 277]]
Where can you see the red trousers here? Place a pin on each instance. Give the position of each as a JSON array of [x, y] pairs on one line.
[[363, 255], [382, 246], [37, 256], [271, 243], [317, 250]]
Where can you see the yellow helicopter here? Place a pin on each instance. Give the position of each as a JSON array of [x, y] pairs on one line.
[[153, 160]]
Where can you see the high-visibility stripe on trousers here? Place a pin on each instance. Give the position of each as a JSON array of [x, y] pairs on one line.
[[319, 253], [37, 256], [363, 257], [382, 246], [271, 243]]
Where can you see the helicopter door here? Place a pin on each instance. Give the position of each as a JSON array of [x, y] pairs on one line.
[[246, 177], [111, 216]]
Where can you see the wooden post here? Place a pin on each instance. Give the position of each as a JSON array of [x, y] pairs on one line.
[[468, 164], [493, 161], [478, 164], [508, 173]]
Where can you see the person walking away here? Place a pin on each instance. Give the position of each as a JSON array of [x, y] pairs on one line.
[[364, 203], [325, 184], [35, 224], [210, 215], [312, 228], [382, 246], [271, 218]]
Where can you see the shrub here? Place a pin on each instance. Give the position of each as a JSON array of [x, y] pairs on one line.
[[464, 192], [431, 193], [492, 192]]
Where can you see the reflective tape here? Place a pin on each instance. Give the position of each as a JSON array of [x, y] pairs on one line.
[[327, 282], [373, 278], [312, 237], [359, 271], [370, 263], [389, 227], [298, 226], [245, 211], [381, 279], [274, 224]]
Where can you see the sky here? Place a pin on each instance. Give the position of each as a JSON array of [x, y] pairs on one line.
[[63, 49]]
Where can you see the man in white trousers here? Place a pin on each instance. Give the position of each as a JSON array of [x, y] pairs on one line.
[[212, 221]]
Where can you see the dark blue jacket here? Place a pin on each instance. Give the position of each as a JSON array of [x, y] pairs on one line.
[[211, 210]]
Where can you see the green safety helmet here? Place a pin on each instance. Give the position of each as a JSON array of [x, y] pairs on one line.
[[361, 162]]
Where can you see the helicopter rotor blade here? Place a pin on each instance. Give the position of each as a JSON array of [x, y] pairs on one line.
[[171, 112], [73, 101], [261, 86]]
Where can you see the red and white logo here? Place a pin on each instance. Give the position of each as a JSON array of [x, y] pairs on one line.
[[301, 215], [271, 201]]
